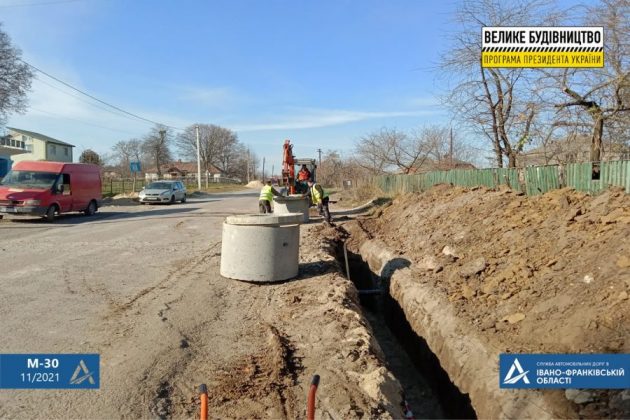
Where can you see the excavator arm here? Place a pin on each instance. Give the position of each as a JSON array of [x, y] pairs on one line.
[[288, 168]]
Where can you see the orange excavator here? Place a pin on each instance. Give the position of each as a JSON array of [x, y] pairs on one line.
[[288, 169]]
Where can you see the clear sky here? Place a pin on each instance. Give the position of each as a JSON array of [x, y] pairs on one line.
[[321, 73]]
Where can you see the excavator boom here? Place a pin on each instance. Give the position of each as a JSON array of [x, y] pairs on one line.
[[288, 168]]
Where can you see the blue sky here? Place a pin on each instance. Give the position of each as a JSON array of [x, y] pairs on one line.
[[321, 73]]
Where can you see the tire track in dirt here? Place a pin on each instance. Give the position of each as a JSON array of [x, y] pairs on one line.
[[245, 360], [145, 354], [181, 271], [196, 345]]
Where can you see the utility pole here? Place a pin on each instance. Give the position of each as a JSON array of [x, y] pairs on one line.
[[320, 157], [263, 171], [248, 165], [450, 148], [198, 160], [158, 151]]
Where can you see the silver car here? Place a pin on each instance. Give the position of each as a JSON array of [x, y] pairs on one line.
[[163, 192]]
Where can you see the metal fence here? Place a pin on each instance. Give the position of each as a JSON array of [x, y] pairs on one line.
[[122, 186], [125, 186], [587, 177]]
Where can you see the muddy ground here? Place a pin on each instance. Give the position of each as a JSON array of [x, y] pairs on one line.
[[545, 274], [140, 285]]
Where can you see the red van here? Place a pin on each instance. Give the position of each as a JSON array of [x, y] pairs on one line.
[[50, 188]]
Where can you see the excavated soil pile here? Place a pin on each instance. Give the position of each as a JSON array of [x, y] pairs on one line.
[[287, 331], [547, 274], [254, 184], [129, 199]]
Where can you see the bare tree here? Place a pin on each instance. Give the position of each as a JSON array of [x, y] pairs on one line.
[[253, 160], [15, 78], [390, 150], [210, 137], [243, 163], [331, 170], [227, 151], [135, 150], [156, 146], [445, 149], [371, 154], [126, 151], [219, 147], [496, 103], [90, 156], [335, 169], [603, 94]]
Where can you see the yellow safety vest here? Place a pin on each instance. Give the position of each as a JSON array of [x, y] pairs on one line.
[[316, 196], [266, 194]]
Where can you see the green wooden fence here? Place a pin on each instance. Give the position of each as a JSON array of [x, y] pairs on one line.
[[540, 179], [587, 177]]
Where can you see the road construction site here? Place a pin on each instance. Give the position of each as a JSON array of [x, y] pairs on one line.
[[435, 286]]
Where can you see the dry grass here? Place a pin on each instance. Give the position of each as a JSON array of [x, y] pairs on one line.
[[356, 196], [214, 188]]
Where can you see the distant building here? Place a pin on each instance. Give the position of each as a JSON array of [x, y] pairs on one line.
[[9, 147], [574, 149], [446, 164], [178, 170], [111, 172], [39, 146]]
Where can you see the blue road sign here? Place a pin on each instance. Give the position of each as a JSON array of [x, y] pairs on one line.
[[49, 371]]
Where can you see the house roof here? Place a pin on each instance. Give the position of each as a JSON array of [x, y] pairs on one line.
[[40, 136], [444, 165], [182, 167]]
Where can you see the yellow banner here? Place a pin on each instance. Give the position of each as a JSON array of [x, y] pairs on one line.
[[542, 59]]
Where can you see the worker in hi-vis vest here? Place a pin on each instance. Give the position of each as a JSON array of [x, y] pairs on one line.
[[319, 197], [266, 196]]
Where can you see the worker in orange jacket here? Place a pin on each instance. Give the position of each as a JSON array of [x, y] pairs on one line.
[[303, 176]]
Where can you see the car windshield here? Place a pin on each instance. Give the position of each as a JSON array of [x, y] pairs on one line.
[[159, 186], [29, 179]]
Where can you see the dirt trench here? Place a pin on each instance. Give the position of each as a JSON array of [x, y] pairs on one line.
[[475, 272], [427, 389], [288, 332]]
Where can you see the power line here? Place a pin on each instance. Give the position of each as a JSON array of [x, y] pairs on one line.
[[81, 121], [80, 98], [97, 99], [43, 3]]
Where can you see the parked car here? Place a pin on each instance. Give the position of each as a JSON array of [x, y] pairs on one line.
[[163, 192], [50, 188]]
